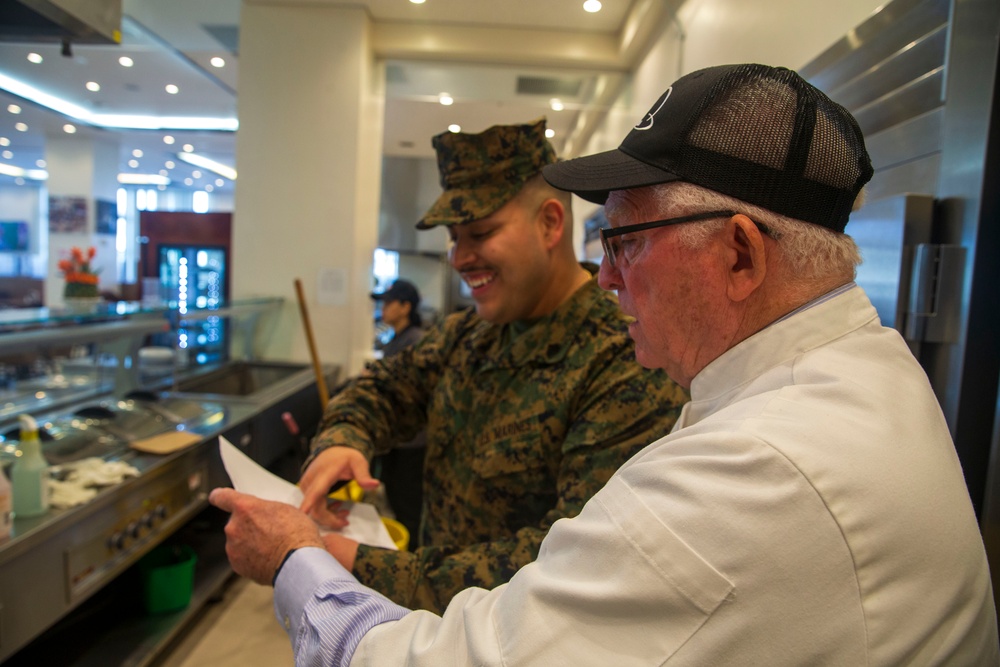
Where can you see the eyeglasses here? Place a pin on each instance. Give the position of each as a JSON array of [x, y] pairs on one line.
[[613, 249]]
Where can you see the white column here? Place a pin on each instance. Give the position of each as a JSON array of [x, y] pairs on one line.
[[79, 169], [309, 158]]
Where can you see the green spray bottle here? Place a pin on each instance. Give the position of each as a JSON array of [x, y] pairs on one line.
[[30, 473]]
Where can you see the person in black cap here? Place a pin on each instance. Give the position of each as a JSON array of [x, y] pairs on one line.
[[401, 311], [401, 469], [807, 509]]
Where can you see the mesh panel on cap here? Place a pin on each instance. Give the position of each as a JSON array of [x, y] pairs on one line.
[[764, 144], [832, 139]]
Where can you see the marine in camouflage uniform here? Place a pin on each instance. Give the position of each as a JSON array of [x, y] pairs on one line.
[[525, 422]]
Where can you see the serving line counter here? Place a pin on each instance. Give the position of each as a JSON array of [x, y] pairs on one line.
[[68, 585]]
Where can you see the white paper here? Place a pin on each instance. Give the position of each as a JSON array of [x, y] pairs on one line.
[[250, 477]]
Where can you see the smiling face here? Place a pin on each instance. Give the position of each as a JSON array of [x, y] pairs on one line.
[[674, 292], [505, 261]]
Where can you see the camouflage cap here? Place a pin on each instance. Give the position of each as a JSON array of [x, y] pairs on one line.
[[482, 172]]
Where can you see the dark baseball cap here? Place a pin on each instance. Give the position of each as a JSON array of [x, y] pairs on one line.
[[482, 172], [401, 290], [761, 134]]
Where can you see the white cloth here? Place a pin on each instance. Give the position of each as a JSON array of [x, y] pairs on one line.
[[808, 509], [82, 478]]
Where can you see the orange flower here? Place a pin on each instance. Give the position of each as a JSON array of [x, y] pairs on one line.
[[77, 269]]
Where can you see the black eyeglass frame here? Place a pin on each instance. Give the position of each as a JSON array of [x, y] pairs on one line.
[[609, 233]]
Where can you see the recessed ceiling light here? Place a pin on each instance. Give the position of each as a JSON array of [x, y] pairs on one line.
[[21, 127], [13, 108], [164, 172], [137, 152], [7, 155], [549, 133], [209, 187], [19, 181], [220, 182], [169, 164], [125, 61], [195, 174], [69, 128], [93, 86], [168, 140], [133, 163], [417, 2], [592, 6], [455, 128], [4, 141], [217, 62], [556, 104], [34, 58], [188, 181], [446, 99], [188, 148], [41, 164], [172, 89]]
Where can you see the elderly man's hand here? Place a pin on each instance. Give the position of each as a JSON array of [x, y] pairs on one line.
[[260, 532]]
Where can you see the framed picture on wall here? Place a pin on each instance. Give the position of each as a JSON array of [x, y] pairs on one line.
[[105, 218], [67, 214]]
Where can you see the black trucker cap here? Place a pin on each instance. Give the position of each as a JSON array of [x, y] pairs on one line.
[[761, 134]]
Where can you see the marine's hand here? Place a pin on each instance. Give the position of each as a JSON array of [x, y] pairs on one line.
[[260, 532], [344, 549], [332, 465]]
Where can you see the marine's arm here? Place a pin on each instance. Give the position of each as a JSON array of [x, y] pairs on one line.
[[620, 409]]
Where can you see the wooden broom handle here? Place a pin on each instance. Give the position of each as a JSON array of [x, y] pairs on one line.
[[324, 395]]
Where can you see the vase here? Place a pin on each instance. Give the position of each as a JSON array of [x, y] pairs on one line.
[[81, 304]]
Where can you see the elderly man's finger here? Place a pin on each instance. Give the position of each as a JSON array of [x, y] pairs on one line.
[[224, 498]]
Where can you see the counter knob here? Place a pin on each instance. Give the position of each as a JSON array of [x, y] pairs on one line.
[[117, 541], [132, 530], [160, 511]]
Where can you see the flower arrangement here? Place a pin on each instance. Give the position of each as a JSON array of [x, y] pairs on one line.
[[81, 279]]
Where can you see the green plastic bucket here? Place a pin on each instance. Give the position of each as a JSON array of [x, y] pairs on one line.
[[167, 578]]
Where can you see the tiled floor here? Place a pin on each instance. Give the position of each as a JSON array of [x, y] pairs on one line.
[[239, 631]]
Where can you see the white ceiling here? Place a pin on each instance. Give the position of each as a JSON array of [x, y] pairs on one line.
[[172, 41]]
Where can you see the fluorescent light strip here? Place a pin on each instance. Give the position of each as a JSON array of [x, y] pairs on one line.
[[33, 174], [206, 163], [124, 122], [143, 179]]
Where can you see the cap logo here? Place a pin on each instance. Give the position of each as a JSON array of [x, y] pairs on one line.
[[647, 120]]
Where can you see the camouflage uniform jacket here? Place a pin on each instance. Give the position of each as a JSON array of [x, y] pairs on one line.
[[522, 429]]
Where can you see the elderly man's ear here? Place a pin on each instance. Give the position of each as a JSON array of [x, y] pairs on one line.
[[745, 256]]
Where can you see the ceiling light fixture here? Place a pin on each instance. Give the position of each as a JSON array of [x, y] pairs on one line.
[[211, 165], [168, 140], [125, 61], [417, 2], [4, 141], [13, 108], [446, 99], [188, 148], [172, 89], [137, 152], [143, 179], [18, 172], [217, 62], [93, 86], [21, 127], [122, 122], [592, 6], [7, 155], [34, 58], [549, 133], [134, 164], [69, 128], [556, 104], [455, 128]]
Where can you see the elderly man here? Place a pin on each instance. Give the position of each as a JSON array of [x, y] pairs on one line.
[[807, 509]]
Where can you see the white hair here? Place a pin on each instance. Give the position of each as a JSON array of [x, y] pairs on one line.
[[811, 253]]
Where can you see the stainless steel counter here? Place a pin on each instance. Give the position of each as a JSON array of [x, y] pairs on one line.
[[52, 564]]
